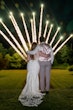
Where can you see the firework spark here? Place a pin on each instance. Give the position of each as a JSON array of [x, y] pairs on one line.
[[21, 50]]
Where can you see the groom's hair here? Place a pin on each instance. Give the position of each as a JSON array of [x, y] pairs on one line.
[[42, 39]]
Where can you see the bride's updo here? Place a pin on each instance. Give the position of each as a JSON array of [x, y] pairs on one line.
[[34, 44]]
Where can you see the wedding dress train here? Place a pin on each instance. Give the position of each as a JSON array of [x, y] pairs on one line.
[[30, 95]]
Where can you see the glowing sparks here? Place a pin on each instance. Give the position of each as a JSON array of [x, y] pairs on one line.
[[26, 30], [42, 5], [21, 14], [18, 32], [33, 40], [57, 43], [44, 35], [16, 42], [63, 44], [54, 36], [34, 27], [40, 24], [51, 26], [0, 20], [21, 50]]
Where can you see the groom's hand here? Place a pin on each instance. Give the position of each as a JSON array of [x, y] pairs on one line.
[[44, 55]]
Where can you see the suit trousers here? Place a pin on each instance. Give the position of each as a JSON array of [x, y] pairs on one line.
[[45, 67]]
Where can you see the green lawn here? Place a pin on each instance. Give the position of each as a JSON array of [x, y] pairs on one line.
[[59, 98]]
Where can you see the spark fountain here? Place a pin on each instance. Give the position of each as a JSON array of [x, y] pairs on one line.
[[21, 50]]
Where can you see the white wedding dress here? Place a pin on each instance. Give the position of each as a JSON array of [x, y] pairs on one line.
[[30, 95]]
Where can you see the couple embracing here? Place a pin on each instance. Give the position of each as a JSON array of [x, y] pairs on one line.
[[40, 59]]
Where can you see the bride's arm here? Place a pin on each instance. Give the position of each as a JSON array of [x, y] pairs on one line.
[[28, 57], [32, 52], [44, 55]]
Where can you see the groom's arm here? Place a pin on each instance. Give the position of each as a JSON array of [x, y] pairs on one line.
[[32, 52], [52, 56]]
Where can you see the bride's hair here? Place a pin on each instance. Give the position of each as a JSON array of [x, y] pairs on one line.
[[34, 44]]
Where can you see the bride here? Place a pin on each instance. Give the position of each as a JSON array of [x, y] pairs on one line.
[[31, 95]]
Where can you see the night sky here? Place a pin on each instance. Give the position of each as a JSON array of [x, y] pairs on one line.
[[60, 12]]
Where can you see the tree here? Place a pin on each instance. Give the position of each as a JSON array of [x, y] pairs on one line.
[[2, 49], [70, 60], [65, 54], [3, 62], [11, 51], [57, 58], [8, 58], [15, 61]]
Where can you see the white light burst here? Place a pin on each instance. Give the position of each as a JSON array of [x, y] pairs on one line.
[[35, 37]]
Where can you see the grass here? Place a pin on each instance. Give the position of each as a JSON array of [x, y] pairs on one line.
[[59, 98]]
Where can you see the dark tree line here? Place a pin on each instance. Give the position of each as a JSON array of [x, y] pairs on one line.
[[9, 59], [64, 57]]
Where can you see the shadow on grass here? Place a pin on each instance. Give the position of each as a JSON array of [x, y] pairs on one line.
[[3, 76]]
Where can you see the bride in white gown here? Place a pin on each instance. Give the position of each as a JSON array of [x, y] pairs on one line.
[[31, 95]]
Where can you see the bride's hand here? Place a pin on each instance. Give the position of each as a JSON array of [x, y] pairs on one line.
[[28, 57], [43, 54]]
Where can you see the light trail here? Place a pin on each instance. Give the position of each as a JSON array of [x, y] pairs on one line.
[[14, 47], [54, 36], [63, 44], [34, 27], [45, 30], [31, 21], [14, 39], [57, 43], [51, 26], [40, 23], [26, 30], [18, 32]]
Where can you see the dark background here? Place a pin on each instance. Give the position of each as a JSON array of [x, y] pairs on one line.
[[60, 12]]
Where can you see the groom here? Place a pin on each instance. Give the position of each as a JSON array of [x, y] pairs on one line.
[[45, 63]]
